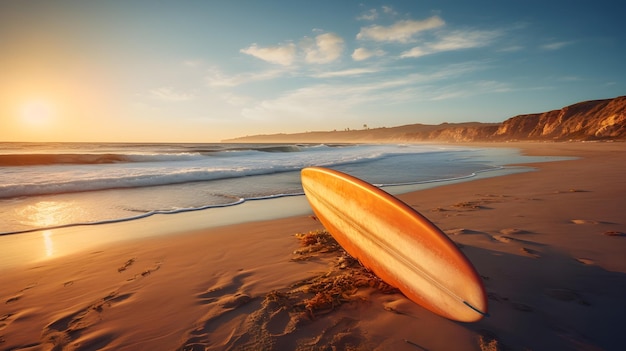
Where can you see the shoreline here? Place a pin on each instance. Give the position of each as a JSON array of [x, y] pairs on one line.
[[56, 241], [549, 245]]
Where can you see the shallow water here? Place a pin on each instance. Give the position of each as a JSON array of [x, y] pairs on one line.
[[64, 184]]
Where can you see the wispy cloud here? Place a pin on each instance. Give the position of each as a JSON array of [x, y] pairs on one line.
[[369, 15], [467, 89], [511, 48], [236, 100], [324, 48], [361, 54], [389, 10], [169, 94], [280, 54], [324, 101], [374, 14], [346, 73], [215, 78], [192, 63], [556, 45], [570, 79], [454, 40], [402, 31]]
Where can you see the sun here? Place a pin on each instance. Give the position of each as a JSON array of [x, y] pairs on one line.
[[37, 113]]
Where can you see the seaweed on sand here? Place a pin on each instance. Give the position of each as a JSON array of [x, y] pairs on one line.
[[327, 291]]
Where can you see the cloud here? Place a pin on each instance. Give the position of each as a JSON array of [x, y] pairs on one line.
[[389, 10], [281, 54], [168, 94], [512, 48], [216, 78], [361, 54], [192, 63], [312, 103], [368, 16], [326, 101], [346, 73], [236, 100], [401, 31], [556, 45], [451, 41], [468, 89], [326, 48]]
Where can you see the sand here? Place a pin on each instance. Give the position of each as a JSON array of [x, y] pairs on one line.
[[550, 245]]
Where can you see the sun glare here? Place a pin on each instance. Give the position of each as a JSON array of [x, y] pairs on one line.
[[37, 113]]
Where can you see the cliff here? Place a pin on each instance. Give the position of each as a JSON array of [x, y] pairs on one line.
[[588, 120]]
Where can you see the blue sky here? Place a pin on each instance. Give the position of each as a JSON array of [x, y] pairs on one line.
[[208, 70]]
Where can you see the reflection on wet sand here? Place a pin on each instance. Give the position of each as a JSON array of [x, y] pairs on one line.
[[48, 243]]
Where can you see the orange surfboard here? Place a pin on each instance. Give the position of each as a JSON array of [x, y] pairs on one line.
[[398, 244]]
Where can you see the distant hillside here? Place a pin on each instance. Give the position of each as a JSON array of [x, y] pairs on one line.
[[588, 120]]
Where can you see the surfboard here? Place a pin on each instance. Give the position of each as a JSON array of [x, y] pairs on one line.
[[397, 243]]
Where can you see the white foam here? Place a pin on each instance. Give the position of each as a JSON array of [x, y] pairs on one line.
[[177, 168]]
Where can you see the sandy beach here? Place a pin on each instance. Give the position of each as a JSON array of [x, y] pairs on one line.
[[549, 245]]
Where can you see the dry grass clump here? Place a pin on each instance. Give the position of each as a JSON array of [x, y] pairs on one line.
[[327, 291]]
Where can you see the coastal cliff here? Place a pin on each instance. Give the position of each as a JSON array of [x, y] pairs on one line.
[[588, 120]]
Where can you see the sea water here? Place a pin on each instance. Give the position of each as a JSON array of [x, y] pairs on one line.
[[51, 185]]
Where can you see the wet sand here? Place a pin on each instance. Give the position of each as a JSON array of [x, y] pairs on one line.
[[549, 245]]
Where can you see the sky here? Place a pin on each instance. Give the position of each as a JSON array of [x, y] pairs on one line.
[[205, 71]]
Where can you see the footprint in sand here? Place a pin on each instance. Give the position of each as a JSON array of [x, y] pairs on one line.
[[20, 294], [69, 328], [5, 320], [586, 261], [521, 307], [144, 273], [584, 221], [13, 299], [224, 302], [502, 238], [567, 295], [126, 265], [235, 301], [509, 239], [530, 252], [514, 231], [571, 191], [461, 231], [471, 205]]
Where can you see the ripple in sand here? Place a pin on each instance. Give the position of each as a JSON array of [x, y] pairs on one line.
[[614, 233]]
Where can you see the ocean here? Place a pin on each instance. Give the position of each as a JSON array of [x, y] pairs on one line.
[[52, 185]]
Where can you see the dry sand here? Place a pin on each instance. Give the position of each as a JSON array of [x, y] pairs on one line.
[[550, 245]]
